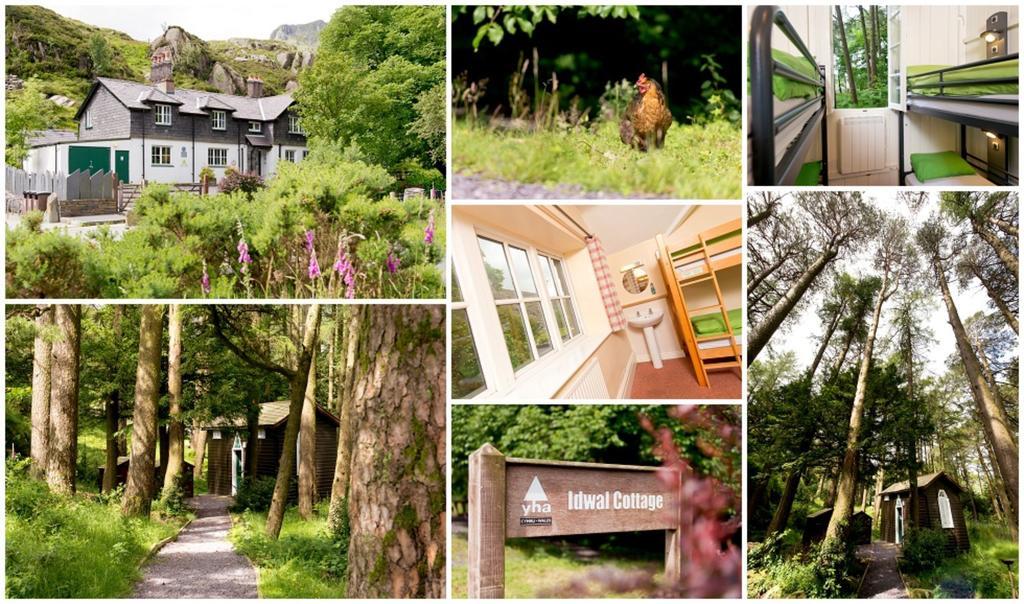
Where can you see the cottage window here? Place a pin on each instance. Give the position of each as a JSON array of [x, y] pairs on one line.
[[161, 155], [561, 300], [162, 114], [88, 120], [261, 434], [289, 155], [467, 374], [305, 153], [218, 120], [945, 512], [216, 435], [255, 127], [294, 125], [217, 157]]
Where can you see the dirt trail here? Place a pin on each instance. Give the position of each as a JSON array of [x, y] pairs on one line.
[[465, 186], [883, 578], [201, 562]]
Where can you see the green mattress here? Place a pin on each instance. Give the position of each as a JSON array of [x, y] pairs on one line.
[[1005, 69], [784, 88], [712, 324], [810, 174]]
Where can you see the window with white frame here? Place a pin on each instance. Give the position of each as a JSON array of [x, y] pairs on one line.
[[162, 114], [467, 374], [289, 155], [945, 512], [561, 299], [88, 120], [216, 435], [217, 157], [295, 125], [255, 127], [218, 120], [261, 433], [160, 155]]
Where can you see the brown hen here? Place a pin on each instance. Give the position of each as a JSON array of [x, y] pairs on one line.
[[647, 118]]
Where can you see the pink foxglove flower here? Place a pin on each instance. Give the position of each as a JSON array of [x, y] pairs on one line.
[[314, 266], [243, 252], [428, 233], [205, 281], [393, 262], [309, 241]]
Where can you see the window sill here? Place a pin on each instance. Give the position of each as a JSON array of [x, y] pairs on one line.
[[545, 377]]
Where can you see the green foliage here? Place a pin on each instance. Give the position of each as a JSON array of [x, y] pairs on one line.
[[50, 264], [821, 572], [430, 123], [869, 94], [254, 494], [172, 500], [924, 548], [697, 162], [17, 420], [99, 54], [28, 110], [304, 562], [63, 547], [768, 552], [720, 103], [977, 573], [494, 22]]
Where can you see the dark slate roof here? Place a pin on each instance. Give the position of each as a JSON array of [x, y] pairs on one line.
[[41, 138], [258, 140], [123, 459], [271, 414], [135, 95], [922, 481], [828, 512]]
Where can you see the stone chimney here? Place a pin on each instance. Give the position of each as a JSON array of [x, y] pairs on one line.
[[161, 72], [254, 87]]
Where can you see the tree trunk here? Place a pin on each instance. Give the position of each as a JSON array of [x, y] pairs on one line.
[[297, 394], [112, 415], [199, 446], [848, 472], [872, 73], [781, 309], [339, 487], [876, 38], [758, 278], [138, 494], [62, 452], [990, 409], [1000, 304], [879, 487], [252, 424], [849, 68], [781, 517], [826, 338], [1008, 258], [175, 427], [307, 446], [330, 361], [1006, 227], [397, 547], [42, 361]]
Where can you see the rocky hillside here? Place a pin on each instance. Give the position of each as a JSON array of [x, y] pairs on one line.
[[306, 35]]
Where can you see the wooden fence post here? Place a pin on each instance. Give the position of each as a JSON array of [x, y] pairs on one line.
[[674, 541], [487, 523]]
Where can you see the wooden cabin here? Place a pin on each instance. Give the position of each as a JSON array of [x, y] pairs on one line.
[[122, 476], [226, 448], [939, 507], [817, 524]]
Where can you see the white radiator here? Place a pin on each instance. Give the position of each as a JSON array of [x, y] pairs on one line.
[[589, 384], [861, 144]]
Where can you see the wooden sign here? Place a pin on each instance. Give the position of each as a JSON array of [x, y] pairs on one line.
[[511, 497]]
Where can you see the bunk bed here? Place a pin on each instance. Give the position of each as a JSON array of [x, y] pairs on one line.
[[709, 333], [980, 94], [787, 103]]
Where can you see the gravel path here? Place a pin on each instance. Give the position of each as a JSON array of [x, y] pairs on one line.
[[465, 186], [883, 578], [201, 563]]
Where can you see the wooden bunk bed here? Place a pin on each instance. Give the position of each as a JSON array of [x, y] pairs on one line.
[[979, 94], [770, 118], [709, 333]]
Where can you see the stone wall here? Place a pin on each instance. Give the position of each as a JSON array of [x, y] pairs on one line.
[[87, 207]]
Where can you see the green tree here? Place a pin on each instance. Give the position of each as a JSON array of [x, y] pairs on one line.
[[99, 54], [27, 111]]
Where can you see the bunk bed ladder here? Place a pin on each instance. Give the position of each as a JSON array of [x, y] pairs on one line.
[[681, 317], [737, 359]]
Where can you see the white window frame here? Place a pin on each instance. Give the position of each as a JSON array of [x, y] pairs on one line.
[[218, 119], [289, 155], [88, 119], [261, 433], [162, 114], [255, 127], [210, 158], [945, 511], [564, 298], [897, 75], [899, 523], [463, 305], [152, 158], [215, 435], [294, 124]]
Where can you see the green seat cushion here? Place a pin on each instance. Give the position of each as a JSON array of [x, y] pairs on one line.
[[784, 88], [929, 166], [1003, 69], [810, 174], [712, 323]]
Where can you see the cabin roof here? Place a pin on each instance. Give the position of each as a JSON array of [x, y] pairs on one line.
[[922, 481], [272, 414], [828, 512], [123, 459]]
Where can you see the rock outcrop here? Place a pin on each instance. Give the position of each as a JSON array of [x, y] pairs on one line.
[[306, 35]]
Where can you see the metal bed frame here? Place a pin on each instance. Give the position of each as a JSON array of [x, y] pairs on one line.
[[764, 126], [1008, 129]]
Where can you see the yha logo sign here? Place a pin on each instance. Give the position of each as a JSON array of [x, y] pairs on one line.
[[535, 501]]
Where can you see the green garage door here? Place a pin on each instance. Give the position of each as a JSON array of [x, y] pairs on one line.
[[93, 159]]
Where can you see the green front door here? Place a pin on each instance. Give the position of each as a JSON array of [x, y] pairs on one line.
[[121, 166], [91, 159]]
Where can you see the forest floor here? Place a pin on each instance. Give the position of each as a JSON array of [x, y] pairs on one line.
[[201, 562], [977, 573], [697, 162], [882, 579], [536, 568]]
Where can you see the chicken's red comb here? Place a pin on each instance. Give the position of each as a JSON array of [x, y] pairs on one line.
[[641, 79]]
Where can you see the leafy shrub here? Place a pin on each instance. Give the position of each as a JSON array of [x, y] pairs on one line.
[[254, 494], [236, 181], [924, 548], [768, 552], [173, 500], [831, 566]]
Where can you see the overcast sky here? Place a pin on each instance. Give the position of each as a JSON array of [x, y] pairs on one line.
[[210, 20], [804, 334]]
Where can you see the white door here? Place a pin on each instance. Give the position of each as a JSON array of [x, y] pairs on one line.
[[237, 464], [897, 75], [899, 520]]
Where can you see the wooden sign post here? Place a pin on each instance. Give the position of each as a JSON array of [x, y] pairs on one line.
[[511, 497]]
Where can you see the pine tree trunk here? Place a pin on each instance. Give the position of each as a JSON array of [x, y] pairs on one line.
[[826, 338], [1004, 309], [339, 487], [138, 494], [758, 278], [1008, 258], [397, 515], [872, 74], [879, 487], [112, 415], [1006, 227], [175, 427], [781, 309], [42, 361], [199, 446], [781, 517], [297, 394], [62, 452], [307, 446], [849, 65]]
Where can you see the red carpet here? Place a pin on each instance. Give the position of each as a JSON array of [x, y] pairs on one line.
[[676, 380]]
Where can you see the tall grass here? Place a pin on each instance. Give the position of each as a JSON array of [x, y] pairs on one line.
[[78, 546], [979, 570]]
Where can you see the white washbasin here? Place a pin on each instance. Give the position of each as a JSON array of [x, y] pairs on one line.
[[647, 323]]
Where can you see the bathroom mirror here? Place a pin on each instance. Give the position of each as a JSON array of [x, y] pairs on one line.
[[634, 278]]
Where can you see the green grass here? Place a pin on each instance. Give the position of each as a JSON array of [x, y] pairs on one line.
[[533, 567], [302, 563], [980, 567], [697, 162], [61, 547]]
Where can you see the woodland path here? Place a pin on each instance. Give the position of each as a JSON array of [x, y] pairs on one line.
[[883, 578], [201, 562], [466, 186]]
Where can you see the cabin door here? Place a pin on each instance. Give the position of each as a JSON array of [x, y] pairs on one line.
[[237, 464], [899, 520]]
